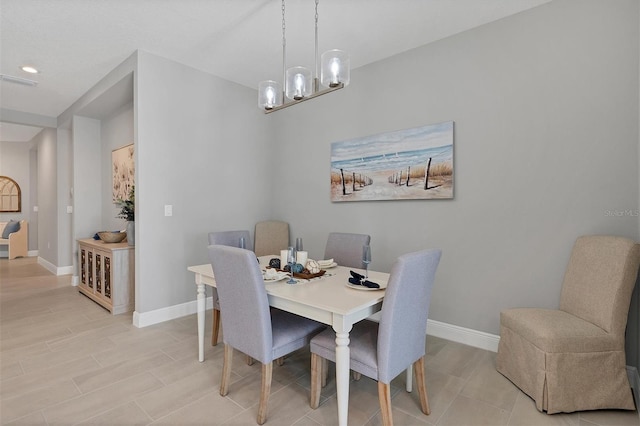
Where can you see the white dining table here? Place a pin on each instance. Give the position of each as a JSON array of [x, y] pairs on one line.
[[327, 300]]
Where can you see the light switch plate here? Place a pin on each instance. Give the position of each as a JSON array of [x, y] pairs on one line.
[[168, 210]]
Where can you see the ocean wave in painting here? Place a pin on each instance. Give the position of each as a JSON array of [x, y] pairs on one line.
[[395, 150]]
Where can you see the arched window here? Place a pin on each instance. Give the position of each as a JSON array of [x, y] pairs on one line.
[[10, 195]]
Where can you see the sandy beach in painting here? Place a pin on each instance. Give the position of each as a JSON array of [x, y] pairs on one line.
[[440, 187]]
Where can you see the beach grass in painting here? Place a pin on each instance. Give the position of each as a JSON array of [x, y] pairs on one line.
[[406, 164]]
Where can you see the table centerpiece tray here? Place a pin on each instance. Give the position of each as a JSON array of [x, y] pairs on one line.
[[302, 275]]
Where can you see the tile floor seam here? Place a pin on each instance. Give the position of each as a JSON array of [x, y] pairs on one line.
[[437, 422], [150, 417]]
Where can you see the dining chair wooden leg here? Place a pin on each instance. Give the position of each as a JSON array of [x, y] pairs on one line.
[[356, 376], [384, 396], [249, 360], [325, 371], [267, 372], [215, 327], [226, 369], [280, 361], [418, 367], [316, 372]]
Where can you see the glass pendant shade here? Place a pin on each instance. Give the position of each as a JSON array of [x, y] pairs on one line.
[[334, 68], [299, 83], [269, 94]]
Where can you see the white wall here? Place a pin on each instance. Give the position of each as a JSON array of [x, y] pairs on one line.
[[545, 105]]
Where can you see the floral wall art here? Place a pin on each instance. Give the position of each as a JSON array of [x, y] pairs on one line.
[[407, 164], [123, 171]]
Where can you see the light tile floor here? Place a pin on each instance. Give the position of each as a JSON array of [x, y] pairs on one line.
[[65, 360]]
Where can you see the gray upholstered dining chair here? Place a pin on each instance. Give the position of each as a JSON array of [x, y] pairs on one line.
[[383, 350], [248, 324], [232, 239], [346, 249], [271, 236], [573, 358]]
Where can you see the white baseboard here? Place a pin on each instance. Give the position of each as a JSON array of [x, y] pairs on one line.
[[165, 314], [64, 270], [454, 333], [48, 265], [30, 253], [75, 280], [467, 336], [57, 270]]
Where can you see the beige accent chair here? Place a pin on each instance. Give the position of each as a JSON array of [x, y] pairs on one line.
[[270, 237], [17, 242], [573, 358]]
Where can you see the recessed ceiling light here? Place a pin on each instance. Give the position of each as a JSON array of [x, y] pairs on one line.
[[29, 69]]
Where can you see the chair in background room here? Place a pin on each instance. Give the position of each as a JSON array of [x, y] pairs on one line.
[[573, 358], [232, 239], [383, 350], [270, 237], [248, 324], [346, 249]]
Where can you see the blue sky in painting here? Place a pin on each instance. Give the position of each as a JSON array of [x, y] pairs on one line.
[[395, 149]]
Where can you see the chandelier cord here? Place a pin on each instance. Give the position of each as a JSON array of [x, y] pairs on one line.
[[316, 56], [284, 50]]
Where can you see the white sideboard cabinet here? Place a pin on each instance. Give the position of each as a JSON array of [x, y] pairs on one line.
[[107, 274]]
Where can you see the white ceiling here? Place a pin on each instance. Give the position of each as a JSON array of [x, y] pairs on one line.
[[75, 43]]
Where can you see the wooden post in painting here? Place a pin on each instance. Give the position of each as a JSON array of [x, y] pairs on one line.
[[426, 174], [408, 174], [353, 182], [344, 189]]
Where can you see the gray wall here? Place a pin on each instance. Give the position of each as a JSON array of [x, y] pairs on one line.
[[48, 196], [33, 197], [202, 148], [64, 187], [545, 105], [633, 325], [116, 131]]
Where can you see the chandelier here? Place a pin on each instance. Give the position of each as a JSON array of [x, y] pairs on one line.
[[299, 85]]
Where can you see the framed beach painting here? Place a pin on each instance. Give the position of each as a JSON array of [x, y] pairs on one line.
[[409, 164], [123, 172]]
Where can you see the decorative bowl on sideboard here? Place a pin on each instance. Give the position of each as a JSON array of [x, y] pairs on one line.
[[112, 237]]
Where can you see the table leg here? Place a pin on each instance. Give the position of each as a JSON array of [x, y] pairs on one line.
[[342, 376], [200, 305]]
